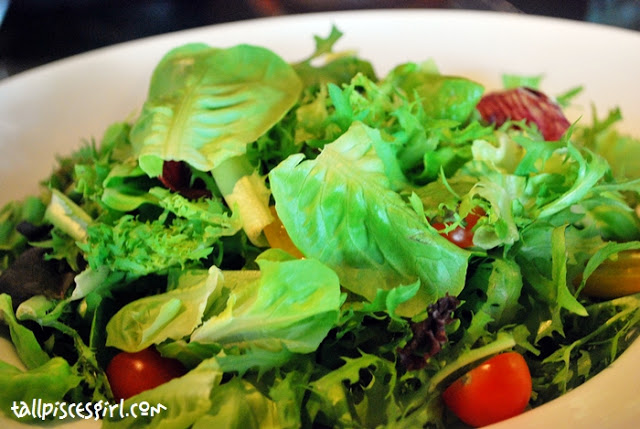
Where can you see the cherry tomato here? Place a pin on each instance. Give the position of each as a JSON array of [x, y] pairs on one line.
[[495, 390], [615, 277], [462, 236], [133, 373], [278, 237]]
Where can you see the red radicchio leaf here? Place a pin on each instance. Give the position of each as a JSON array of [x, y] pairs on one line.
[[428, 335], [176, 176], [524, 103]]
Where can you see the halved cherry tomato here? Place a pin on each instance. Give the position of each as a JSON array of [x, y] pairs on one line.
[[133, 373], [462, 236], [495, 390], [278, 237], [615, 277]]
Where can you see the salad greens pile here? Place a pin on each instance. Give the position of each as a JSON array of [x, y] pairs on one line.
[[154, 237]]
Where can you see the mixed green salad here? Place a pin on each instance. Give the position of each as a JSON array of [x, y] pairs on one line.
[[320, 246]]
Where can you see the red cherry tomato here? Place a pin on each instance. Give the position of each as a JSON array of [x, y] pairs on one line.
[[473, 217], [133, 373], [462, 236], [495, 390]]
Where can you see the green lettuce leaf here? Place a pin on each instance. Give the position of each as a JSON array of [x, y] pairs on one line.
[[339, 208], [495, 289], [291, 307], [590, 170], [170, 315], [184, 400], [93, 170], [97, 282], [332, 401], [442, 97], [231, 360], [245, 191], [186, 231], [505, 153], [27, 346], [66, 339], [545, 261], [337, 67], [289, 392], [32, 210], [514, 81], [620, 150], [49, 382], [125, 187], [611, 214], [500, 228], [206, 104], [238, 404], [66, 215], [596, 341]]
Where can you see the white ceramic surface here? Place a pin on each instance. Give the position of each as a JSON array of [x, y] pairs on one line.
[[49, 110]]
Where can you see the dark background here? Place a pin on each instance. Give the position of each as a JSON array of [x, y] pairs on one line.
[[35, 32]]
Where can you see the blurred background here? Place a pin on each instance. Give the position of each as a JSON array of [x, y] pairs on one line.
[[35, 32]]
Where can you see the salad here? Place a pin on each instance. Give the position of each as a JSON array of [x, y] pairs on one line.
[[314, 245]]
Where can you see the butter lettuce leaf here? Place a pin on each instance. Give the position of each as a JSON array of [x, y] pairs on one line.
[[441, 96], [49, 382], [206, 104], [340, 209], [184, 400], [170, 315], [291, 306]]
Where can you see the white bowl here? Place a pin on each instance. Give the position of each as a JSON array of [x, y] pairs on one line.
[[49, 110]]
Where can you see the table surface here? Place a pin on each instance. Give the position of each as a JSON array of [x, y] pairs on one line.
[[35, 32]]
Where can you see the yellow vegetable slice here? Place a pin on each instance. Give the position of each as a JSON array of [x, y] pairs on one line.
[[615, 277]]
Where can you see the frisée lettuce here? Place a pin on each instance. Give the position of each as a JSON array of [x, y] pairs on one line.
[[155, 236]]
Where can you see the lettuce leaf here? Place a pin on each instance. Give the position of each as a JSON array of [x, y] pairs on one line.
[[544, 259], [238, 404], [442, 97], [596, 341], [49, 382], [206, 104], [185, 231], [64, 327], [514, 81], [291, 306], [372, 378], [337, 68], [67, 216], [495, 289], [29, 350], [339, 208], [170, 315], [185, 400], [620, 150], [12, 243]]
